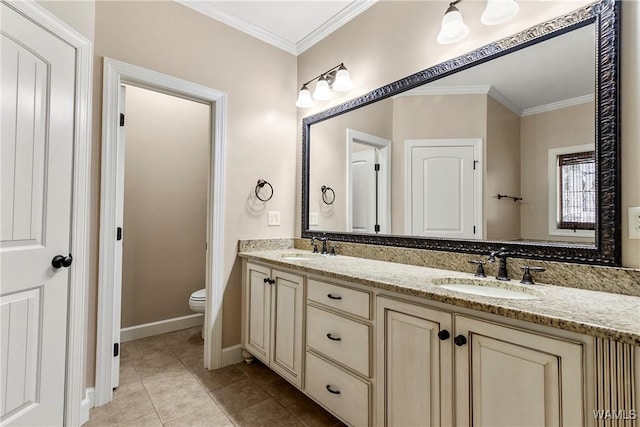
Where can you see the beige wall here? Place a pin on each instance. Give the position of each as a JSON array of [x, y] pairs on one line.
[[329, 159], [540, 132], [165, 205], [430, 117], [502, 172], [394, 39]]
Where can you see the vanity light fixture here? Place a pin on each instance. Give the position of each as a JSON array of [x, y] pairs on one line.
[[336, 78], [453, 28]]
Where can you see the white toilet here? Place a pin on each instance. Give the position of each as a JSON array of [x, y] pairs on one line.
[[197, 302]]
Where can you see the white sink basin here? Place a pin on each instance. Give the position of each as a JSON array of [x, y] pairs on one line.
[[299, 256], [505, 290]]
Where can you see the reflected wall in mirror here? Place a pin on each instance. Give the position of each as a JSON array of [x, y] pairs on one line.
[[433, 156]]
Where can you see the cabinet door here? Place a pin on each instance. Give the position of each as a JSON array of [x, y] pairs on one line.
[[509, 377], [287, 301], [258, 311], [414, 365]]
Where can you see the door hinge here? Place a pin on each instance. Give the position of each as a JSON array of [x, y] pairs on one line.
[[474, 229], [377, 228], [119, 233], [116, 349], [376, 167], [121, 119], [475, 163]]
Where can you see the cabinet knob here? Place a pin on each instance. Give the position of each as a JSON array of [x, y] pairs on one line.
[[269, 281], [444, 335], [331, 390], [332, 338], [331, 296], [460, 340]]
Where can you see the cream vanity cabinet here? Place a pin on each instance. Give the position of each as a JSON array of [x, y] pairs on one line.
[[439, 368], [273, 319], [339, 365]]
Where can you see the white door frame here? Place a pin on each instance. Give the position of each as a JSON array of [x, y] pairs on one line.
[[79, 273], [478, 202], [116, 73], [384, 146]]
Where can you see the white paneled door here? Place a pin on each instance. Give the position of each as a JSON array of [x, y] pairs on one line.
[[363, 191], [444, 185], [37, 131]]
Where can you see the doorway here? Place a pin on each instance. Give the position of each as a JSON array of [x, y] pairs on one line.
[[116, 74], [368, 183]]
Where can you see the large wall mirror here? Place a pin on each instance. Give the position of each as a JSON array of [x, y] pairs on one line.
[[514, 144]]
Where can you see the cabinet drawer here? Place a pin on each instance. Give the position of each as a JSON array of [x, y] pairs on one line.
[[339, 338], [341, 298], [340, 392]]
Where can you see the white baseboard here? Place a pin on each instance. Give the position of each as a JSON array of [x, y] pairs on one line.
[[160, 327], [87, 403], [231, 355]]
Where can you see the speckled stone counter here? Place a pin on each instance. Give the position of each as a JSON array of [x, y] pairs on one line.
[[601, 314]]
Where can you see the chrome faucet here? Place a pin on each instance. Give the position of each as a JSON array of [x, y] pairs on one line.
[[503, 273]]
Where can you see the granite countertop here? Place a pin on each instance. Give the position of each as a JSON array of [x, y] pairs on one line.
[[601, 314]]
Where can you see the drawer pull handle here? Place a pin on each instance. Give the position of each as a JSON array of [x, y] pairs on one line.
[[332, 338], [331, 296], [330, 390]]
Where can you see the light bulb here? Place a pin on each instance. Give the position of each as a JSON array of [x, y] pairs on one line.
[[342, 82], [322, 92], [453, 27], [499, 11], [304, 98]]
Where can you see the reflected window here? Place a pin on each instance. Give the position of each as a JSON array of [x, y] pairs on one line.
[[577, 186]]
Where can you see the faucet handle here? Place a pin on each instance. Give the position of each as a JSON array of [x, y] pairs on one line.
[[480, 269], [527, 278], [333, 250], [314, 245]]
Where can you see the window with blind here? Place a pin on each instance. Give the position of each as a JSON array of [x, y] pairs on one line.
[[577, 191]]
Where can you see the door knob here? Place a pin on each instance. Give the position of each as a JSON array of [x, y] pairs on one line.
[[59, 261]]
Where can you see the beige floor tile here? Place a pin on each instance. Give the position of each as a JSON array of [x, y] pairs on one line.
[[210, 416], [238, 396], [283, 392], [123, 390], [135, 405], [176, 396], [265, 413], [258, 373], [128, 373], [151, 420], [310, 413], [217, 378], [164, 364]]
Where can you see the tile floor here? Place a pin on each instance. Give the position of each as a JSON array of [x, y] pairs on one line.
[[163, 383]]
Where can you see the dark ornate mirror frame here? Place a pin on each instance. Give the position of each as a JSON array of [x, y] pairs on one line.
[[606, 251]]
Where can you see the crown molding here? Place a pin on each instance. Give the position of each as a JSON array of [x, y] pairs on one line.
[[347, 14], [558, 105]]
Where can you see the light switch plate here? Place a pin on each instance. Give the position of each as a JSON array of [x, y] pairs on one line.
[[313, 218], [274, 218], [634, 223]]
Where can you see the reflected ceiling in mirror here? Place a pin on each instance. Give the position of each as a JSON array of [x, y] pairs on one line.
[[451, 141]]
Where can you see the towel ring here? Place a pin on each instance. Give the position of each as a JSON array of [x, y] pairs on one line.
[[261, 183], [325, 197]]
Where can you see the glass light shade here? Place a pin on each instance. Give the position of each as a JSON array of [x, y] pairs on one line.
[[499, 11], [342, 82], [453, 27], [322, 92], [304, 98]]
